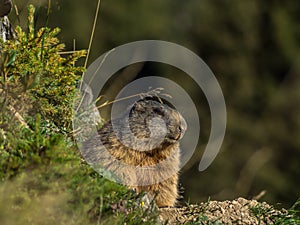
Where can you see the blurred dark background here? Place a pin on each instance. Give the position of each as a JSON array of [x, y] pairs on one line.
[[253, 48]]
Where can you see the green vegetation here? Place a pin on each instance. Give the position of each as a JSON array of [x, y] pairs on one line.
[[37, 89], [43, 179], [289, 217], [253, 49], [203, 220]]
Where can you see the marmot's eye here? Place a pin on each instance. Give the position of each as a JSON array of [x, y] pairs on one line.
[[158, 111], [180, 129]]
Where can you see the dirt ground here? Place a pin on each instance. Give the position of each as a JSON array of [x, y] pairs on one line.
[[239, 211]]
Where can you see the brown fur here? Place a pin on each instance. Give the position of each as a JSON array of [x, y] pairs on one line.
[[161, 179]]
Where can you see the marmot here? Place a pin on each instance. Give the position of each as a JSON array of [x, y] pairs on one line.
[[141, 148]]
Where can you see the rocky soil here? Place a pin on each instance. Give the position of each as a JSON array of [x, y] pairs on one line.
[[239, 211]]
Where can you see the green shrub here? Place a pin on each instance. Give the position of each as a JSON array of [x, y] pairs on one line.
[[35, 80], [43, 179], [35, 73]]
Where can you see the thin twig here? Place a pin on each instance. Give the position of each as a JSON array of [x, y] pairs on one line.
[[48, 13], [48, 8], [92, 36], [17, 13], [155, 92], [18, 116], [89, 49], [68, 52], [100, 208], [103, 60], [260, 195]]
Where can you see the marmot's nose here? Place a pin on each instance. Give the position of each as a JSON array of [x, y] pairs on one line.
[[183, 125]]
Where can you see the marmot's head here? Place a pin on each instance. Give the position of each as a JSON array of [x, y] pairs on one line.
[[150, 118]]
